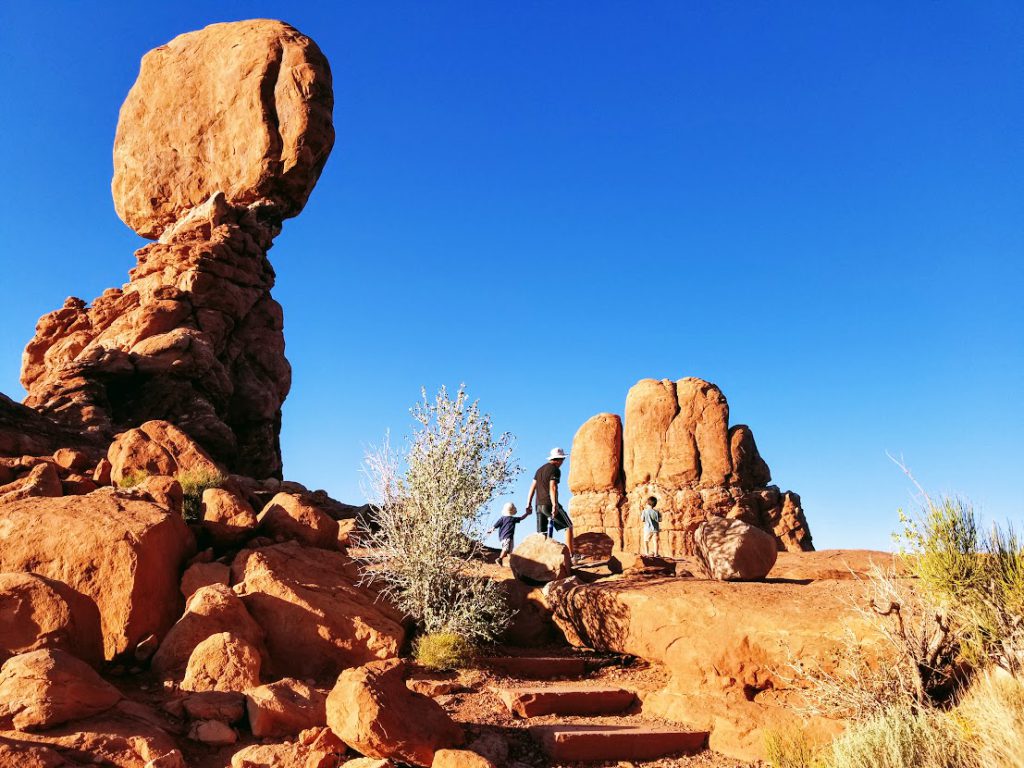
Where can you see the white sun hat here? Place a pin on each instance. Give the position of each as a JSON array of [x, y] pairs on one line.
[[557, 453]]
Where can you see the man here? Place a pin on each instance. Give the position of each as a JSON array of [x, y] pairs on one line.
[[545, 486]]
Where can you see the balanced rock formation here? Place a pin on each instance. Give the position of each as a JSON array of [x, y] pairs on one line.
[[677, 445], [221, 138]]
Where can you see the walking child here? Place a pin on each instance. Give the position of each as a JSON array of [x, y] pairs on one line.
[[506, 528], [652, 525]]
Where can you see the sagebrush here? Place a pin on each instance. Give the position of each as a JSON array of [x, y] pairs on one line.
[[422, 541], [443, 651]]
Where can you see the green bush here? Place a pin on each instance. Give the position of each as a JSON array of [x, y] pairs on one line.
[[977, 578], [132, 478], [443, 650], [193, 483]]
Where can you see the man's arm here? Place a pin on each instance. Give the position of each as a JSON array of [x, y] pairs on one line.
[[554, 495], [533, 490]]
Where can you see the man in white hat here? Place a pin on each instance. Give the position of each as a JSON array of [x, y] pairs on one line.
[[545, 486]]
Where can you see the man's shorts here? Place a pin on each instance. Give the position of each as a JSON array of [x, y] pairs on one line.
[[543, 516]]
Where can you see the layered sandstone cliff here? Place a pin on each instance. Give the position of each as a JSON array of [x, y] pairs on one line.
[[676, 445], [209, 172]]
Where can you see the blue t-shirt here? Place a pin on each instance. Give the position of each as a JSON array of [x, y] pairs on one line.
[[651, 518], [506, 525]]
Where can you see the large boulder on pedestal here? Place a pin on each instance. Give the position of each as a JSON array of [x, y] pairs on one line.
[[120, 558], [318, 619], [539, 559], [372, 710], [732, 550]]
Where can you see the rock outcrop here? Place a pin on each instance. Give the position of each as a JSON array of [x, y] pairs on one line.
[[119, 559], [676, 444], [33, 616], [732, 550], [210, 172]]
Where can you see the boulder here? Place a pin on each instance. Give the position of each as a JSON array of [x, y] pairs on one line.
[[289, 517], [73, 460], [732, 550], [317, 618], [213, 733], [163, 491], [223, 662], [41, 689], [460, 758], [285, 708], [15, 754], [371, 709], [42, 480], [33, 616], [227, 517], [211, 610], [257, 115], [200, 575], [540, 559], [278, 756], [676, 445], [119, 557], [157, 448], [226, 706]]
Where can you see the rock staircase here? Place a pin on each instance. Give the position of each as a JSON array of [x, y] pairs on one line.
[[559, 687]]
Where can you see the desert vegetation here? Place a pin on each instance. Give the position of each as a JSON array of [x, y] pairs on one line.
[[423, 535], [193, 483], [954, 697]]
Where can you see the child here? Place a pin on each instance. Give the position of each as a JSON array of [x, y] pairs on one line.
[[506, 528], [652, 525]]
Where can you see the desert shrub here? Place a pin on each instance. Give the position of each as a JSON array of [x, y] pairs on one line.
[[977, 578], [132, 478], [900, 738], [423, 547], [991, 715], [443, 650], [193, 483], [790, 749]]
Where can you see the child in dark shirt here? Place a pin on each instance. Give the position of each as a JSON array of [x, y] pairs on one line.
[[506, 528]]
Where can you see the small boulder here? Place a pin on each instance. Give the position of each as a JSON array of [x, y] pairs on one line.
[[42, 689], [213, 733], [200, 575], [732, 550], [223, 662], [289, 516], [163, 491], [101, 474], [209, 611], [41, 481], [371, 709], [227, 517], [285, 708], [272, 756], [540, 559], [73, 460], [33, 615], [226, 706]]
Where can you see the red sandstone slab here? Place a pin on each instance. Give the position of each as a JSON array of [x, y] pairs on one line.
[[566, 700], [538, 667], [583, 743]]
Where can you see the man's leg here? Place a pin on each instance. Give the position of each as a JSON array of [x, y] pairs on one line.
[[544, 519], [568, 539]]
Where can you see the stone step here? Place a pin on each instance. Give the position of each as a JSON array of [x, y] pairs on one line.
[[538, 667], [565, 700], [604, 743]]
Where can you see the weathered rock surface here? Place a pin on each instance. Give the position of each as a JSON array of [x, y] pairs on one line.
[[223, 662], [540, 559], [199, 575], [45, 688], [285, 708], [228, 518], [732, 550], [157, 448], [728, 646], [317, 619], [371, 709], [677, 445], [26, 432], [33, 616], [119, 557], [211, 610], [212, 169], [289, 517]]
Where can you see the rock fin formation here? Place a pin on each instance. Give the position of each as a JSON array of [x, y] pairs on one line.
[[195, 337], [677, 445]]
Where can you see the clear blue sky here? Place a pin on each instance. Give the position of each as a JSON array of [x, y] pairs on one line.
[[819, 206]]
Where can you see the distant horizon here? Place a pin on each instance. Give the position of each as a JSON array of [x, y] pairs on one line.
[[816, 208]]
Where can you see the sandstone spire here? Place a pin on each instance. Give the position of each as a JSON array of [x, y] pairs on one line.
[[223, 136]]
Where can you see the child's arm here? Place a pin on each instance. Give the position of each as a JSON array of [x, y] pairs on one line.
[[524, 515]]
